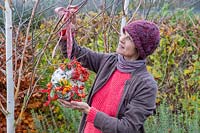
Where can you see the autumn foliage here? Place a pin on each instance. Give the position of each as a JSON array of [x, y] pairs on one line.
[[27, 121]]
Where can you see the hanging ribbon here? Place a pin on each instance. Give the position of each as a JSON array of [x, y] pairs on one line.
[[66, 32]]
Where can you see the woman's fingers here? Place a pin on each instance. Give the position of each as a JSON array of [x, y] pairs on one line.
[[84, 107], [81, 106], [71, 104], [65, 103]]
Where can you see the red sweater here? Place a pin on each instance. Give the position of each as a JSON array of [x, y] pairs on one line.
[[107, 99]]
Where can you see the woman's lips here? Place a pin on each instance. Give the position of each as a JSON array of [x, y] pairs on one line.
[[121, 46]]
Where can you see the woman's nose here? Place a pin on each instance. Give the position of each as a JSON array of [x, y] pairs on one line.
[[121, 39]]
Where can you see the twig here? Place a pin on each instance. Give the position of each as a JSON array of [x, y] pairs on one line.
[[16, 10], [32, 87], [115, 30], [192, 4], [111, 21], [53, 118], [149, 9], [3, 97], [165, 69], [132, 18], [70, 2], [3, 32], [104, 26], [51, 35], [2, 7], [36, 14], [94, 18], [16, 38], [25, 46], [95, 5], [53, 32], [3, 71], [123, 10], [2, 109], [41, 31], [26, 99], [10, 4], [188, 38], [68, 20]]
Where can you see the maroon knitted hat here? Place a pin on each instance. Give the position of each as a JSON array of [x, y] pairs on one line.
[[145, 35]]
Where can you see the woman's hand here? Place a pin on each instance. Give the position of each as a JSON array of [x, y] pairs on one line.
[[81, 106]]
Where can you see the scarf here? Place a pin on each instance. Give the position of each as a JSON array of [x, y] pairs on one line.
[[128, 66]]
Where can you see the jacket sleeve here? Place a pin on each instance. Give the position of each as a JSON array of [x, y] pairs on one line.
[[88, 58], [136, 112]]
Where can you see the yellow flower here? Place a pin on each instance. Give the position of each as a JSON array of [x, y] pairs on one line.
[[66, 89], [64, 82]]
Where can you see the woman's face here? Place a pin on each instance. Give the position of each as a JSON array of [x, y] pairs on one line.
[[126, 47]]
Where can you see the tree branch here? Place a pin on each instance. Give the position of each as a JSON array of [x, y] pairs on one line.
[[3, 71], [32, 87], [132, 18], [1, 96], [25, 46], [2, 7], [3, 110]]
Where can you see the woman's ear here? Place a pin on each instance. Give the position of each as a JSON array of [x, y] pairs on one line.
[[137, 54]]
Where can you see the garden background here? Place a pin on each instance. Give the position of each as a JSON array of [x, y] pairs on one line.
[[175, 64]]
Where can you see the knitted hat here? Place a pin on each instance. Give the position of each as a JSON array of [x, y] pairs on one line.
[[145, 35]]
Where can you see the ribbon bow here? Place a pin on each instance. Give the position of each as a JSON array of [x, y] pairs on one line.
[[66, 32]]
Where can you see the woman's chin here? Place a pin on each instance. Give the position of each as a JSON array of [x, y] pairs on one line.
[[118, 51]]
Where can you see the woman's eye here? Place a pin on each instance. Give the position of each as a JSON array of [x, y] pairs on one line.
[[128, 38]]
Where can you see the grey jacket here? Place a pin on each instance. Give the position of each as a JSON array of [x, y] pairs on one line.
[[138, 99]]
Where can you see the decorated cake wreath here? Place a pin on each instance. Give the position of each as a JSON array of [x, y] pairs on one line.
[[67, 82]]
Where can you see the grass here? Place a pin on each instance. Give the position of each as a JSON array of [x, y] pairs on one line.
[[166, 121]]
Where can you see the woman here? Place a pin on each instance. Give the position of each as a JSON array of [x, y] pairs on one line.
[[123, 94]]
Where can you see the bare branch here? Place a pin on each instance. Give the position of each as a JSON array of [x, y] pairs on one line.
[[115, 30], [1, 96], [110, 24], [68, 20], [3, 110], [94, 17], [125, 12], [132, 18], [3, 71], [32, 87], [2, 7], [16, 38], [95, 5], [53, 32], [70, 2], [191, 4], [10, 3], [149, 9], [25, 46], [2, 30]]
